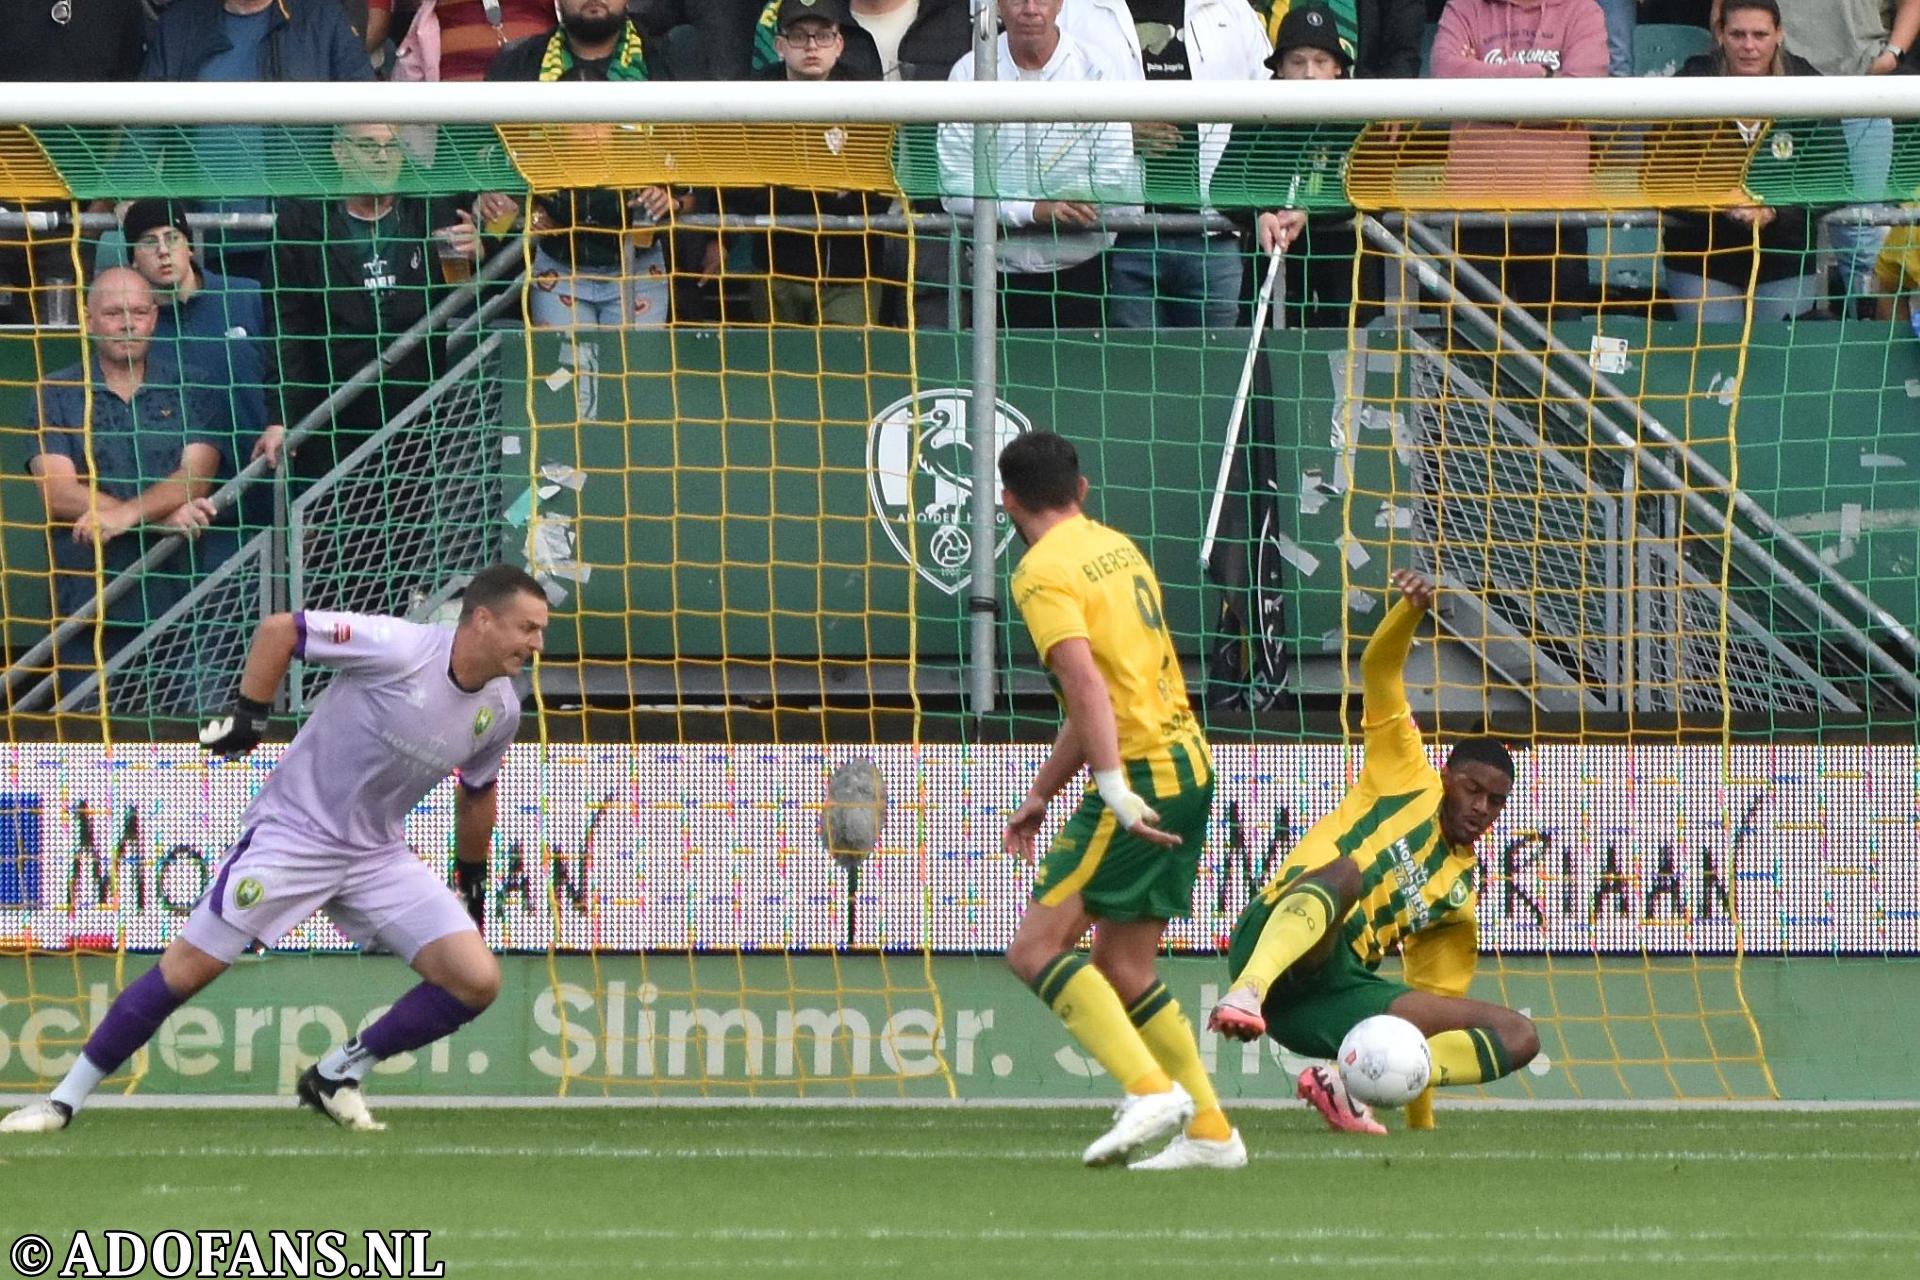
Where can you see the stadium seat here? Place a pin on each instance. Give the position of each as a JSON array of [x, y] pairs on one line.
[[1659, 48]]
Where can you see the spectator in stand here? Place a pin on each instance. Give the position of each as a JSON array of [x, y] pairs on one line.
[[1319, 249], [814, 276], [889, 39], [1053, 180], [207, 41], [356, 272], [897, 40], [472, 32], [102, 40], [1169, 278], [1540, 266], [598, 261], [127, 456], [1857, 38], [1386, 37], [1623, 18], [1898, 277], [215, 328], [92, 40], [707, 39], [371, 24], [1709, 256]]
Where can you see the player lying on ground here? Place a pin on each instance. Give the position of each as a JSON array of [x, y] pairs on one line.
[[409, 705], [1124, 864], [1393, 864]]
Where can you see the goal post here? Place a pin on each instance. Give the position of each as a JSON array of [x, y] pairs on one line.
[[1666, 491]]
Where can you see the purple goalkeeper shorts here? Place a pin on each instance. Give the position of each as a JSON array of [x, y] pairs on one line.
[[272, 881]]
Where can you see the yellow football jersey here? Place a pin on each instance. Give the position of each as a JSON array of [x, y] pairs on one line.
[[1411, 879], [1085, 580]]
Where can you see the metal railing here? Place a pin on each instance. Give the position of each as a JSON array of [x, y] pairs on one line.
[[46, 692]]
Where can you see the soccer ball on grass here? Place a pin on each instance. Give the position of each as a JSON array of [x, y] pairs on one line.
[[1384, 1061]]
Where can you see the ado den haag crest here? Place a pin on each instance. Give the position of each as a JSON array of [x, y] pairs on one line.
[[937, 497]]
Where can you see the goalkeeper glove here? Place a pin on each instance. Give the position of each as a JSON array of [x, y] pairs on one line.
[[470, 878], [1129, 810], [239, 731]]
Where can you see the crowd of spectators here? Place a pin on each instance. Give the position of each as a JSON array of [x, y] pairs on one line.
[[1101, 224]]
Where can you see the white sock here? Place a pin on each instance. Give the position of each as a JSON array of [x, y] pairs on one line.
[[80, 1083], [348, 1062]]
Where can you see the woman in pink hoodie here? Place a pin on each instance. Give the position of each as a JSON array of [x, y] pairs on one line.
[[1516, 165]]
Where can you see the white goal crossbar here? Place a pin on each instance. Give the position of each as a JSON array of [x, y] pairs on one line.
[[660, 102]]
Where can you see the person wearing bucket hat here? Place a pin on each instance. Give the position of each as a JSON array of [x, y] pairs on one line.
[[1313, 231], [1305, 32], [1384, 38]]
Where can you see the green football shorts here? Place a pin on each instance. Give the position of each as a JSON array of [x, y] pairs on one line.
[[1119, 876], [1311, 1012]]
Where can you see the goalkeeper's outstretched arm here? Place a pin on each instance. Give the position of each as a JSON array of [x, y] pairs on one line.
[[245, 723]]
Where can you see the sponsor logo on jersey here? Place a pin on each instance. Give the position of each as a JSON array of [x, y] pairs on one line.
[[482, 721], [248, 893], [920, 479]]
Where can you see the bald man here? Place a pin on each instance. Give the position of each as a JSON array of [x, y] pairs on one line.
[[141, 473]]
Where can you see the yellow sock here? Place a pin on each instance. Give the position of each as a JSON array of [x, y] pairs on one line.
[[1169, 1036], [1471, 1056], [1299, 920], [1084, 1000], [1420, 1110]]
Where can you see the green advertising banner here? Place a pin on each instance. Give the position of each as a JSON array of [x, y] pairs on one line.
[[906, 1027]]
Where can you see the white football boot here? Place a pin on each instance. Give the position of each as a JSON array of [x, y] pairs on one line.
[[41, 1116], [1198, 1153], [1139, 1119]]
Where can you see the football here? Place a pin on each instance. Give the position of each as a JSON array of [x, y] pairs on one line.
[[1384, 1061]]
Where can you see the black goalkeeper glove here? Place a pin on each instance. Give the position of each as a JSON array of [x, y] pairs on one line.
[[470, 878], [239, 731]]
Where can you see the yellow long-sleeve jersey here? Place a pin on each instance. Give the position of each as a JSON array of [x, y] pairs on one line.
[[1417, 892]]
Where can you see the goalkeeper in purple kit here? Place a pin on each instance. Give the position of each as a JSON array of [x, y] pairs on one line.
[[408, 706]]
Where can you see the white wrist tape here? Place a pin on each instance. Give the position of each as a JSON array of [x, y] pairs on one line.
[[1128, 808]]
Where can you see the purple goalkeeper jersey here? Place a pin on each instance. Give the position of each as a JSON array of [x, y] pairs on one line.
[[389, 728]]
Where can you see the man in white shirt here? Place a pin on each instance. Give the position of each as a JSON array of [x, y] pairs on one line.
[[1053, 181], [1175, 279]]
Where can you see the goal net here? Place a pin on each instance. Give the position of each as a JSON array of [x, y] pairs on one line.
[[1634, 390]]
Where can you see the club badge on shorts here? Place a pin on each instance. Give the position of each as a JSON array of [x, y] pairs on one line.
[[482, 721], [248, 893]]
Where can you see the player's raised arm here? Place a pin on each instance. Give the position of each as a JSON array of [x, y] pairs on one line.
[[240, 730], [1383, 663]]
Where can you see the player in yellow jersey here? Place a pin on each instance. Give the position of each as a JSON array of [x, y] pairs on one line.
[[1392, 865], [1124, 864]]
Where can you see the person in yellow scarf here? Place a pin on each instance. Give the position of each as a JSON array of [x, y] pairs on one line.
[[597, 261]]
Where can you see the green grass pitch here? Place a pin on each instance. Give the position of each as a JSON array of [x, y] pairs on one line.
[[982, 1193]]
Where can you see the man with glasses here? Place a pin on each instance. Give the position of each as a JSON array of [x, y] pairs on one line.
[[135, 470], [216, 324], [356, 272], [814, 277]]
